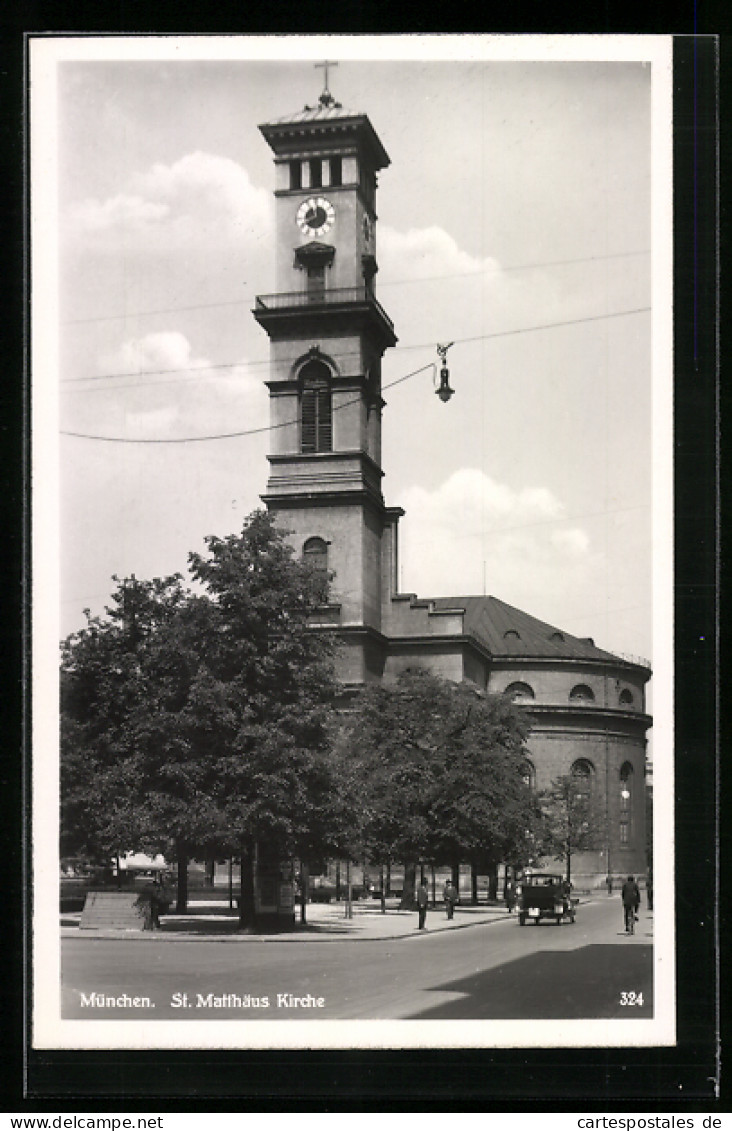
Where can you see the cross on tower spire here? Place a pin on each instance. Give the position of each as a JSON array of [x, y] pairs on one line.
[[326, 98]]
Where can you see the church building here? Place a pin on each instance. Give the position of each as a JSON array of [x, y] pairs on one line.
[[328, 334]]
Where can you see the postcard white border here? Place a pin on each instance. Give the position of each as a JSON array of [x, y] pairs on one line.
[[50, 1031]]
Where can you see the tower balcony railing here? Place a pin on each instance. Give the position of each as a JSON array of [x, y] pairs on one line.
[[312, 300]]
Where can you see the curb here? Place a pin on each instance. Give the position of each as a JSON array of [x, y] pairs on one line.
[[289, 938]]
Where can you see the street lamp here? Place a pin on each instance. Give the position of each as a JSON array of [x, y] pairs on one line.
[[444, 392]]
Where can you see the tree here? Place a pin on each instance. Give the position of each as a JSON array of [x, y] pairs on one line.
[[440, 773], [573, 820], [208, 726]]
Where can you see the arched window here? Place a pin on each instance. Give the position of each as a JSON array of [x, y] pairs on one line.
[[315, 553], [316, 410], [626, 803], [626, 698], [519, 692], [582, 693], [582, 774], [511, 634]]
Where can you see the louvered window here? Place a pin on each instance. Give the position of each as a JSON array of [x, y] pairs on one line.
[[316, 409]]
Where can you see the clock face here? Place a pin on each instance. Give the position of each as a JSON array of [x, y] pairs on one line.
[[315, 216]]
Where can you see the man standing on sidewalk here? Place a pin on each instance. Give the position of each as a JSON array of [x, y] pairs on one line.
[[450, 896], [422, 901]]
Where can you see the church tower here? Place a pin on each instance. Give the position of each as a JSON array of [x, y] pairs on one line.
[[327, 337]]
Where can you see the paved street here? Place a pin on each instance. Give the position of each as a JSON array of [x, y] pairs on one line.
[[491, 969]]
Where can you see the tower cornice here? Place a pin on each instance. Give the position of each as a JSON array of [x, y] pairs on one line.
[[348, 309], [302, 131]]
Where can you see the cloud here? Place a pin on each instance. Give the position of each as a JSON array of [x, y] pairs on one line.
[[166, 390], [424, 252], [472, 534], [200, 201], [121, 211], [470, 500], [572, 541]]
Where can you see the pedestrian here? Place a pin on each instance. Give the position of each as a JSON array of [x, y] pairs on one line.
[[630, 895], [423, 897], [649, 892], [450, 896], [609, 883], [510, 895]]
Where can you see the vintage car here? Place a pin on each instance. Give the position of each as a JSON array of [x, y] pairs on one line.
[[544, 896]]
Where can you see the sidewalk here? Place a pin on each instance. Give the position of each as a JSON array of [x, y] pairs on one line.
[[326, 922]]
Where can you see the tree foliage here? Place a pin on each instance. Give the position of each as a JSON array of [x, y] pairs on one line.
[[573, 820], [201, 717], [440, 769]]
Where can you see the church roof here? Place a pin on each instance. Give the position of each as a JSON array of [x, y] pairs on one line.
[[327, 116], [319, 113], [509, 632]]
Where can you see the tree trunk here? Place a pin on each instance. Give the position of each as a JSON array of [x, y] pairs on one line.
[[384, 881], [473, 883], [408, 901], [304, 883], [246, 894], [492, 881], [181, 852]]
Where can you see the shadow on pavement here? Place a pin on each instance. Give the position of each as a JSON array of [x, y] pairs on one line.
[[227, 923], [553, 985]]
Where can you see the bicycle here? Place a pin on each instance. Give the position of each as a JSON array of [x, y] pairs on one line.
[[630, 918]]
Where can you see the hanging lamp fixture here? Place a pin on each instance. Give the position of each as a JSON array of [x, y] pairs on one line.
[[444, 392]]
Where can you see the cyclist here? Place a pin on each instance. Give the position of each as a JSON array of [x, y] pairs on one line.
[[631, 902]]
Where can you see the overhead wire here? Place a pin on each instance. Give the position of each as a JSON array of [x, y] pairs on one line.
[[382, 285], [417, 345], [232, 435]]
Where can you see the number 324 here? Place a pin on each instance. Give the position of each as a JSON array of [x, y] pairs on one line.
[[630, 997]]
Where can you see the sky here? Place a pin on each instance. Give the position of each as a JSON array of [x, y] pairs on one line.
[[516, 220]]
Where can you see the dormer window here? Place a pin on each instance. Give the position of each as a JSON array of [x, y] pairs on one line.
[[581, 693], [519, 692]]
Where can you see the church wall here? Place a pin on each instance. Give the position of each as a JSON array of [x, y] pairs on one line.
[[371, 534], [445, 662], [553, 753], [553, 683], [284, 418], [359, 660], [476, 670], [353, 538]]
